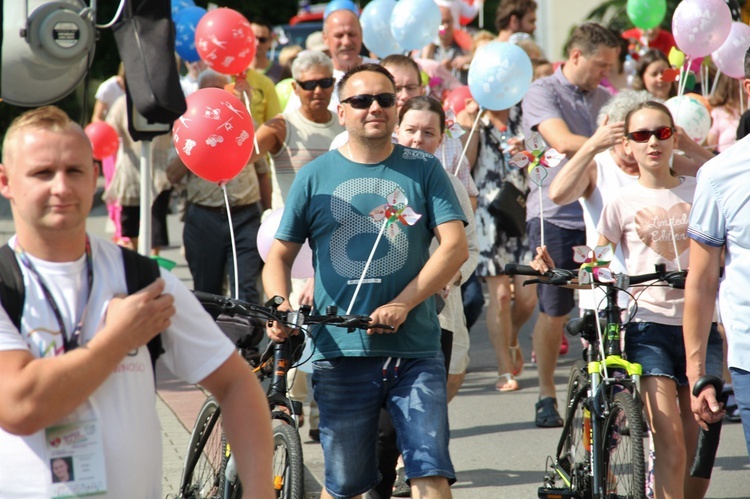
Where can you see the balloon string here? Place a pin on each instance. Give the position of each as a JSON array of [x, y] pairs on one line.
[[367, 266], [223, 186], [716, 81], [541, 215], [249, 110], [481, 13], [683, 83], [468, 140]]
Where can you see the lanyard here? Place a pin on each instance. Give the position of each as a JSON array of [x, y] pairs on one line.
[[70, 342]]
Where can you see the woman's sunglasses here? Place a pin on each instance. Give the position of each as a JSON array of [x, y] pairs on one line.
[[311, 84], [661, 133], [364, 101]]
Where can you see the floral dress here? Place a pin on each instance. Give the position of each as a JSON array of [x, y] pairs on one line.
[[495, 247]]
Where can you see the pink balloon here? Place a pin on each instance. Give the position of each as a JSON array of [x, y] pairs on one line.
[[701, 26], [225, 41], [730, 57], [214, 138], [302, 268], [104, 139], [456, 99]]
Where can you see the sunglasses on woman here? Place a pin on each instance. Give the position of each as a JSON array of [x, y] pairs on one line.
[[661, 133], [364, 101], [311, 84]]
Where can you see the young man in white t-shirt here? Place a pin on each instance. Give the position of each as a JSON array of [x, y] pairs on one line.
[[76, 381]]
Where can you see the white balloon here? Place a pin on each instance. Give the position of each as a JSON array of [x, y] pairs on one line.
[[690, 114]]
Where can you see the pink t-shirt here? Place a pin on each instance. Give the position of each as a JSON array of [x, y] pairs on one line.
[[651, 226], [724, 127]]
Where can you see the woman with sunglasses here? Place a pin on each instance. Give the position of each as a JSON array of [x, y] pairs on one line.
[[649, 219]]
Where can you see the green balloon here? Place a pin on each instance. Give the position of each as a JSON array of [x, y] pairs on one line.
[[284, 91], [647, 14]]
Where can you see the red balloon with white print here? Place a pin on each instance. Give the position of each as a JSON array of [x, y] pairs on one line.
[[225, 41], [215, 136]]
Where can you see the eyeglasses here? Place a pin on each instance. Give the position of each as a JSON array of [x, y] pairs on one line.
[[262, 39], [413, 87], [364, 101], [311, 84], [661, 133]]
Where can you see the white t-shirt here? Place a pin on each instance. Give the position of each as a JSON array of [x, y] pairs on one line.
[[651, 226], [126, 401], [610, 178], [720, 215], [109, 91]]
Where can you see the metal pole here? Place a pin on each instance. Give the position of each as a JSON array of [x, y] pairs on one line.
[[144, 228]]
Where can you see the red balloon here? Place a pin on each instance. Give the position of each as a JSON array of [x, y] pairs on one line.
[[463, 39], [225, 41], [214, 138], [104, 139], [456, 99]]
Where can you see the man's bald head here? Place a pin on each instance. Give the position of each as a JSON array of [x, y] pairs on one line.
[[342, 33]]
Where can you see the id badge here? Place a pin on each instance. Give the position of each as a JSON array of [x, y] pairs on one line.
[[75, 453]]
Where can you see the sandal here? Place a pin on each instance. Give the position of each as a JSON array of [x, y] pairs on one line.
[[400, 487], [509, 385], [516, 359], [546, 413]]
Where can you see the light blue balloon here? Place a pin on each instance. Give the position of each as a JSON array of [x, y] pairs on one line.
[[184, 39], [340, 5], [499, 75], [415, 23], [178, 5], [376, 28]]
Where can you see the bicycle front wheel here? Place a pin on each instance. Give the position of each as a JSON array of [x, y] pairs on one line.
[[288, 467], [576, 445], [202, 476], [624, 470]]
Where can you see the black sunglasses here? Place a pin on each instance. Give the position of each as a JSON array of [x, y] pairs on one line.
[[311, 84], [364, 101], [262, 39], [661, 133]]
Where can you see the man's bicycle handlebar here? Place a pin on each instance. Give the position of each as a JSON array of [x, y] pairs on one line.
[[561, 277], [294, 319]]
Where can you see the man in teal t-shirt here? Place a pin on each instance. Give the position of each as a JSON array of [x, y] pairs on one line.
[[377, 202]]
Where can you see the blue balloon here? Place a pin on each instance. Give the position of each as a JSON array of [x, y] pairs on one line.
[[178, 5], [376, 28], [340, 5], [184, 39], [499, 75], [415, 23]]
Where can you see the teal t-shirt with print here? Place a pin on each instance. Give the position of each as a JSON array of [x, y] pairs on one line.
[[346, 209]]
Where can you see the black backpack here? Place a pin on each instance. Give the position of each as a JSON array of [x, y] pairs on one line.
[[140, 271]]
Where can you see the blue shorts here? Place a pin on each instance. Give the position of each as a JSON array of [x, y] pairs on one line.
[[660, 350], [350, 391], [741, 383], [553, 300]]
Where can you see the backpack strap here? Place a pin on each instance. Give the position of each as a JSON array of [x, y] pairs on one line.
[[140, 271], [12, 290]]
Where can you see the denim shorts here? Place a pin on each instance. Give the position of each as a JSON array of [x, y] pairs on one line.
[[555, 301], [660, 350], [350, 392]]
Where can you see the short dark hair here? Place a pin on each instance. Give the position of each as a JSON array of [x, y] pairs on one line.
[[509, 8], [423, 103], [747, 64], [262, 22], [588, 37], [649, 104], [374, 68], [402, 62]]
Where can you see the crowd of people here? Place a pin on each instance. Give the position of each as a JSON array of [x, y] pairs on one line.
[[394, 194]]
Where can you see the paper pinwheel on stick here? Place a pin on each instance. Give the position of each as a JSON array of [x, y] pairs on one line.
[[594, 263], [537, 158], [395, 210]]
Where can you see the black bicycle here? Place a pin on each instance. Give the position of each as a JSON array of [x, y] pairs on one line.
[[600, 453], [209, 471]]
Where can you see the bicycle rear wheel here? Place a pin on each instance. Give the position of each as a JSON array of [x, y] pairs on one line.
[[202, 476], [574, 456], [624, 470], [288, 467]]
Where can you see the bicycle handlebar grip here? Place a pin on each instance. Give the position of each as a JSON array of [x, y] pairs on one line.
[[518, 269], [708, 440]]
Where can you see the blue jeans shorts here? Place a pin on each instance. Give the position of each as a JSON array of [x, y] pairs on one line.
[[555, 301], [660, 350], [350, 392], [741, 383]]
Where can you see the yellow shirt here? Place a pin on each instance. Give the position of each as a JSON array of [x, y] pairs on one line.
[[264, 104]]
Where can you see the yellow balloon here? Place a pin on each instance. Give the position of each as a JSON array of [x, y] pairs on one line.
[[284, 91], [676, 57]]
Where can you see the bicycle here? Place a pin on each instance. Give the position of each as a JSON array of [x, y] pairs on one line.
[[209, 471], [600, 453]]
